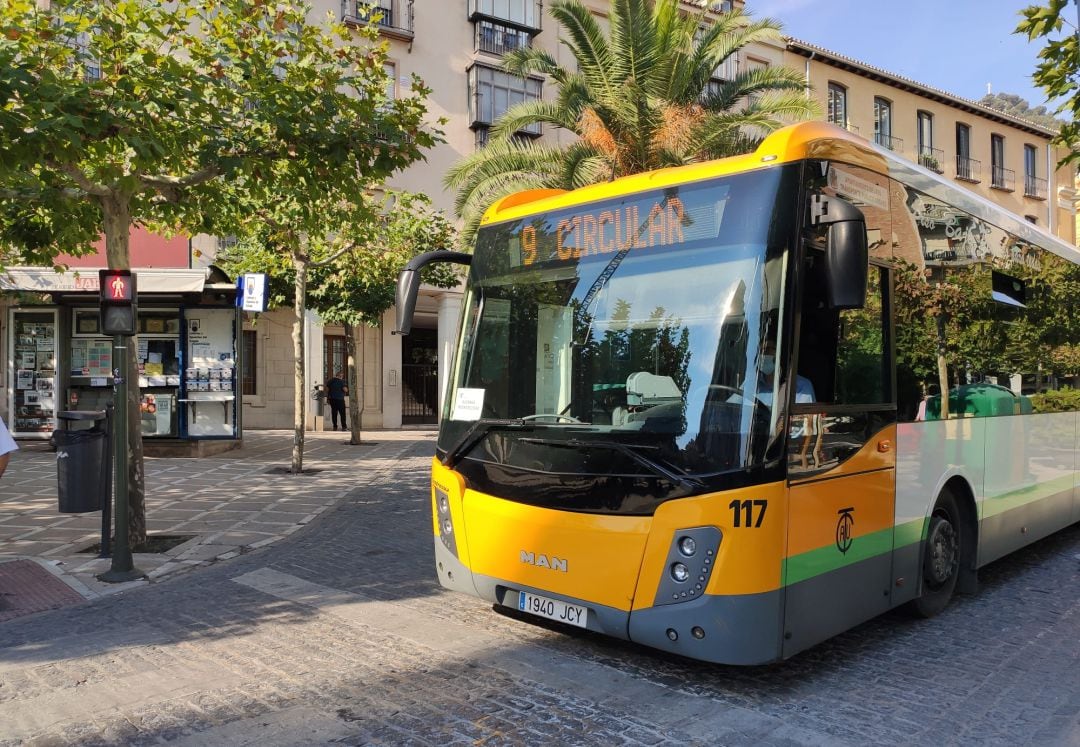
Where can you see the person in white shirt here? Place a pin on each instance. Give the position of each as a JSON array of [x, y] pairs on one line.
[[7, 445], [804, 388]]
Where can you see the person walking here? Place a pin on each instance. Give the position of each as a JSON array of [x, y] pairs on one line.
[[336, 390], [7, 446]]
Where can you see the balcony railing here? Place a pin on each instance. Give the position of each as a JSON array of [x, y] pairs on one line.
[[1002, 178], [968, 169], [1035, 187], [522, 14], [888, 141], [932, 158], [500, 39], [395, 16]]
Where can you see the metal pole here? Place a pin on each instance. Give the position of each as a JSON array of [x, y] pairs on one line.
[[123, 568], [106, 511]]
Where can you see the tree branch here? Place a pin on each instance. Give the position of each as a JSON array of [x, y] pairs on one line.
[[69, 193], [201, 176], [77, 176], [334, 256]]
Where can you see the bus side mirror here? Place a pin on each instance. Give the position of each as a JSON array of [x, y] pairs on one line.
[[847, 254], [408, 284]]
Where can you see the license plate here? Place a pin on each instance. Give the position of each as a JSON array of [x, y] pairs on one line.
[[552, 609]]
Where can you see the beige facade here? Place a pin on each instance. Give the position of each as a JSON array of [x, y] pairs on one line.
[[947, 134], [457, 47]]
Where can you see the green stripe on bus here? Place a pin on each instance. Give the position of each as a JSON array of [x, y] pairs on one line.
[[828, 558], [994, 505]]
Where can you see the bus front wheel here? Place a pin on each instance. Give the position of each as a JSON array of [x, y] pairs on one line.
[[941, 557]]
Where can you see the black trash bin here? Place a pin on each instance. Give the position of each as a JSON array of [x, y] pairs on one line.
[[82, 464]]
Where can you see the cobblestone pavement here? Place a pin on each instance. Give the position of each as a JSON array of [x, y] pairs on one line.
[[340, 634], [228, 504]]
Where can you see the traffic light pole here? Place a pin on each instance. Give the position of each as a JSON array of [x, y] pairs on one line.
[[123, 567]]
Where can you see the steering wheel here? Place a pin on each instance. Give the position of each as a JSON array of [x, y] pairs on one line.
[[556, 416]]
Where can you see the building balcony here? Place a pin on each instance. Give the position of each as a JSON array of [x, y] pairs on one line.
[[1035, 187], [497, 38], [932, 158], [888, 141], [395, 17], [525, 15], [1003, 179], [968, 169]]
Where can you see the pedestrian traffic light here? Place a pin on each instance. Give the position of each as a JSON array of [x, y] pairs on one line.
[[119, 305]]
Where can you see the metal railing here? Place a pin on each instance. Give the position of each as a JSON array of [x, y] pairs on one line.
[[968, 169], [1003, 178], [932, 158], [395, 16], [1035, 187], [500, 39], [888, 141]]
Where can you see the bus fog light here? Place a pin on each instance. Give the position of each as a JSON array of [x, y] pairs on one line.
[[680, 572], [698, 632], [447, 527], [687, 546], [672, 634], [444, 503]]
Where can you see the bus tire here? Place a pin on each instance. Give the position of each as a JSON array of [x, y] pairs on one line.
[[942, 552]]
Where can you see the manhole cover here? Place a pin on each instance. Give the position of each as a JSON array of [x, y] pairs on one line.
[[154, 543], [26, 587]]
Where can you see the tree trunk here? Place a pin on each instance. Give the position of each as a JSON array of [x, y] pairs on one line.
[[300, 263], [942, 365], [356, 379], [116, 224]]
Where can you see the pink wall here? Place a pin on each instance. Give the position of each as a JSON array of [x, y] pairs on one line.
[[147, 250]]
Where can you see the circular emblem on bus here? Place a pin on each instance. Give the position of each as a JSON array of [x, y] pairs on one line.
[[843, 529]]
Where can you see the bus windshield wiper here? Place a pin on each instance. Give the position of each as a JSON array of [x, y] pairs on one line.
[[682, 480], [475, 433]]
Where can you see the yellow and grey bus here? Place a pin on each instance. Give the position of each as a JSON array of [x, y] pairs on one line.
[[731, 409]]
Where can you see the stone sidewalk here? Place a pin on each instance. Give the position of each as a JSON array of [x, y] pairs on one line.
[[230, 504]]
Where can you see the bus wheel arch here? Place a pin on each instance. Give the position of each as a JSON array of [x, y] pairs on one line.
[[949, 550]]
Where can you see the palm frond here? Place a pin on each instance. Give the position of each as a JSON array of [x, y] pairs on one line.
[[587, 42], [520, 116], [751, 83]]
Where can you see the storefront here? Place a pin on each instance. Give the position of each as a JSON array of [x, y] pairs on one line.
[[186, 348]]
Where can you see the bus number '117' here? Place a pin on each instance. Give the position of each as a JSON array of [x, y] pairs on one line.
[[745, 510]]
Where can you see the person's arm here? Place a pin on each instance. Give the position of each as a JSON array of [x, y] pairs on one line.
[[4, 459]]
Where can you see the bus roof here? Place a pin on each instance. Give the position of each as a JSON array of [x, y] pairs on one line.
[[806, 140]]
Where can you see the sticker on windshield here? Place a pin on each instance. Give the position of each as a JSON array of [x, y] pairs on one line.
[[468, 404]]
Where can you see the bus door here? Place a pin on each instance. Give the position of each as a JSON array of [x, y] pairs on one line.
[[841, 466]]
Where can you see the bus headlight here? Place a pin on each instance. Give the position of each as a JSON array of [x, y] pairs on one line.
[[680, 572], [687, 546], [444, 520]]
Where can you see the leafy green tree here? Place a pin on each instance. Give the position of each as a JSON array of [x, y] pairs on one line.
[[638, 98], [323, 133], [1058, 69], [358, 286]]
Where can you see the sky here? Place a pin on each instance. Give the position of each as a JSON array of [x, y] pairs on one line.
[[958, 46]]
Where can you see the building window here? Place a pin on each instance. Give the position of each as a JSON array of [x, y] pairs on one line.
[[523, 13], [883, 123], [837, 110], [248, 377], [1033, 185], [929, 156], [1032, 219], [395, 16], [966, 168], [336, 356], [1000, 177], [492, 92], [498, 38]]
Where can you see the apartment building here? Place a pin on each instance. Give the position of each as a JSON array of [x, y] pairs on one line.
[[457, 47]]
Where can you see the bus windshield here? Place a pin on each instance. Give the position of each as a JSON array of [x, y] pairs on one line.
[[637, 335]]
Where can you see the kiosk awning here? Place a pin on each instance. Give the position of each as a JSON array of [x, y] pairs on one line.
[[45, 280]]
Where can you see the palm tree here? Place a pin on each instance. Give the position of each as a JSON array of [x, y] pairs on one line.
[[639, 100]]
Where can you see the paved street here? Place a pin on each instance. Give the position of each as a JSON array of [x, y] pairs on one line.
[[339, 634]]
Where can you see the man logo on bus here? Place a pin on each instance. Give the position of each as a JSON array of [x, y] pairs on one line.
[[843, 529], [543, 561]]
